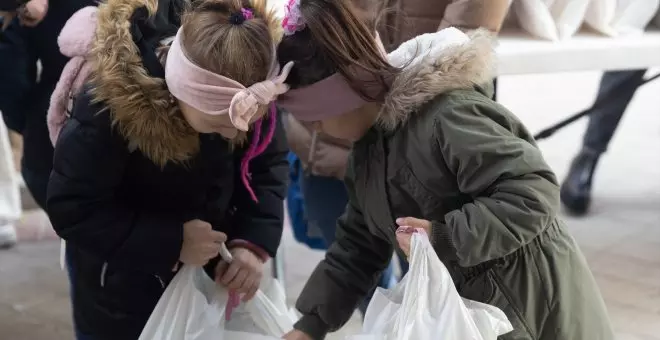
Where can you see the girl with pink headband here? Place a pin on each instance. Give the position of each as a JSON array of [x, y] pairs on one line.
[[432, 153], [172, 148]]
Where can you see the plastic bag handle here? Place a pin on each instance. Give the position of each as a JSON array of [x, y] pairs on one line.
[[225, 254]]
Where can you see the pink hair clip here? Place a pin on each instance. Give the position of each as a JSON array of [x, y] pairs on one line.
[[293, 20], [247, 13]]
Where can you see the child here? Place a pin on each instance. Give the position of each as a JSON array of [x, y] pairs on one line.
[[432, 150], [145, 178]]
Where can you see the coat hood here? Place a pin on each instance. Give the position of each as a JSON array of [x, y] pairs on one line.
[[433, 64], [75, 41], [128, 78]]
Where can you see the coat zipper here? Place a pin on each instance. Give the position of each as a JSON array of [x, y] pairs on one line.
[[160, 280], [104, 271]]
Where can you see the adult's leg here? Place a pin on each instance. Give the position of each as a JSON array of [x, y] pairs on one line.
[[603, 121]]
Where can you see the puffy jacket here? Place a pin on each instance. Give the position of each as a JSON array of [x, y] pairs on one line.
[[445, 152], [128, 171]]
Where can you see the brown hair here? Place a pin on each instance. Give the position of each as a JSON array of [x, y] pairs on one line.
[[215, 40], [338, 37]]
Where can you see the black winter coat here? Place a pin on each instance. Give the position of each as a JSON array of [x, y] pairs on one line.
[[120, 191]]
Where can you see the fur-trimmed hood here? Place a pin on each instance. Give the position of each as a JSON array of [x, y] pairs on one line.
[[128, 78], [433, 64]]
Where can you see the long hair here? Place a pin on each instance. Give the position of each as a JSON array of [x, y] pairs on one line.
[[338, 37]]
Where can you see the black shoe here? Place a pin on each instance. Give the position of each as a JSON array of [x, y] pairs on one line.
[[576, 189]]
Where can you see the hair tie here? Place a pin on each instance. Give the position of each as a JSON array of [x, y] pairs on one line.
[[247, 13], [239, 18]]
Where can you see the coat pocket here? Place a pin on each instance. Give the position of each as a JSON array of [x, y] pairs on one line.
[[412, 189], [489, 288]]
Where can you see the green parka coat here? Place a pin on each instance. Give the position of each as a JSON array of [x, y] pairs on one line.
[[445, 152]]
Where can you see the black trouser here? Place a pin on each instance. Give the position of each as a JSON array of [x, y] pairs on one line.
[[604, 121]]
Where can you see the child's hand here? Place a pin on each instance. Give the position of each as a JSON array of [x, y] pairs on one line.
[[408, 226], [296, 335], [200, 243], [243, 274], [34, 12]]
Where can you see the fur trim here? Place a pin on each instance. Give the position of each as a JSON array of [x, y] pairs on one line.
[[140, 105], [451, 67]]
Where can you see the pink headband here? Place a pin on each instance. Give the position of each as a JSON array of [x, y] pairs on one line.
[[329, 97], [214, 94]]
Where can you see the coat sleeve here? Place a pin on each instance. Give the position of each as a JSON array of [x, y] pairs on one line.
[[473, 14], [18, 67], [83, 207], [514, 193], [261, 223], [351, 267]]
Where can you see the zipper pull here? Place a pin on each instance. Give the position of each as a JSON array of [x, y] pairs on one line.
[[162, 283]]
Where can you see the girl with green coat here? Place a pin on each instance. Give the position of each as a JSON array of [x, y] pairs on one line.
[[432, 150]]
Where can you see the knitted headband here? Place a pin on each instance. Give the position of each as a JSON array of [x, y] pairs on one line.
[[215, 94]]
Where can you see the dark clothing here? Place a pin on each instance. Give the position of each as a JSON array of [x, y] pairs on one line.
[[123, 184], [24, 101], [11, 5], [448, 154], [122, 215], [604, 121]]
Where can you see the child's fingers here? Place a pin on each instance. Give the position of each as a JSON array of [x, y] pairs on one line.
[[413, 222], [220, 270], [210, 251], [218, 237], [238, 283], [230, 273], [403, 239]]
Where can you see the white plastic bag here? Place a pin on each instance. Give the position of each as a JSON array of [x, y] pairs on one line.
[[551, 19], [426, 306], [621, 17], [193, 308]]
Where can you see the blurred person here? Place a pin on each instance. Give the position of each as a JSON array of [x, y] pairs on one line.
[[603, 121], [433, 151], [31, 37], [10, 204], [323, 157], [155, 166], [402, 20]]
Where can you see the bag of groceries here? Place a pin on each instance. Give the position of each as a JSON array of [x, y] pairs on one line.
[[426, 306], [193, 307]]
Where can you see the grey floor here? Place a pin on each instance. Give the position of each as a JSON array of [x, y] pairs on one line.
[[621, 238]]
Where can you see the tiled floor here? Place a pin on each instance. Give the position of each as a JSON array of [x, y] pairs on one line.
[[621, 238]]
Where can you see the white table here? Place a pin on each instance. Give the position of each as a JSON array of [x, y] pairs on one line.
[[521, 54]]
